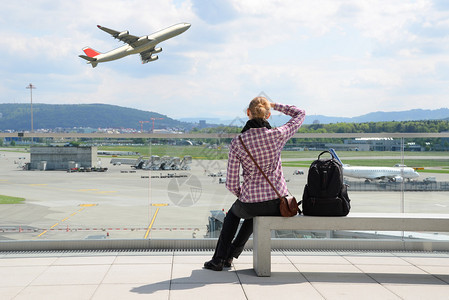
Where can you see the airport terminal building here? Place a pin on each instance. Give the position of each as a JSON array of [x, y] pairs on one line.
[[62, 158]]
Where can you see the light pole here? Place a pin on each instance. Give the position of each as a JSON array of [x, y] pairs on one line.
[[31, 87]]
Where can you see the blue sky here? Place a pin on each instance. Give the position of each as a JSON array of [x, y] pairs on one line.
[[333, 57]]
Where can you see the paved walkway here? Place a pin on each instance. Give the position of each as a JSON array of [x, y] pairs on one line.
[[179, 275]]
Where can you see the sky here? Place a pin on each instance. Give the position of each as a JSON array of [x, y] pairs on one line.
[[340, 58]]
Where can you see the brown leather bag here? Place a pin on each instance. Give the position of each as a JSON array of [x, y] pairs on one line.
[[288, 205]]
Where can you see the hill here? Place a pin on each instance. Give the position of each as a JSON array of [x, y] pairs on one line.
[[278, 119], [50, 116], [379, 116]]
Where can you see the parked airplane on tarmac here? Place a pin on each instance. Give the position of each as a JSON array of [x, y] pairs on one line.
[[145, 45], [396, 173]]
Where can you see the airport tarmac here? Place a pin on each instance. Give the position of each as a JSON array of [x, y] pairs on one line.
[[120, 204]]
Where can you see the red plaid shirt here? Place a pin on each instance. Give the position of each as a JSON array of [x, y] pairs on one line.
[[265, 145]]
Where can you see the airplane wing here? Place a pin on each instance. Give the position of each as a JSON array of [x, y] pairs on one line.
[[123, 36], [146, 55]]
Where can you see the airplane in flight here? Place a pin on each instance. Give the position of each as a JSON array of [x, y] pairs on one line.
[[396, 174], [144, 45]]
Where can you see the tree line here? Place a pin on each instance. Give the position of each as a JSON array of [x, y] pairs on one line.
[[429, 126]]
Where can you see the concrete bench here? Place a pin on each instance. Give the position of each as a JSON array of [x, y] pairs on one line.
[[354, 221]]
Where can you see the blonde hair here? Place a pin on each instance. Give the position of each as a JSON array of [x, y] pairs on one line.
[[260, 108]]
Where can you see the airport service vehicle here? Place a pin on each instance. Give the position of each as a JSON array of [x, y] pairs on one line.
[[431, 179], [395, 174], [144, 45]]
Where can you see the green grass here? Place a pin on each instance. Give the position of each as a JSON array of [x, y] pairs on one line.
[[14, 149], [438, 171], [202, 152], [368, 154], [375, 162], [197, 152], [379, 162], [364, 158], [296, 164], [414, 163], [10, 200]]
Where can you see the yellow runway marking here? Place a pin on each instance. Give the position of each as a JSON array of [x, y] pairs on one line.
[[83, 206], [78, 211], [151, 224], [159, 204], [42, 233]]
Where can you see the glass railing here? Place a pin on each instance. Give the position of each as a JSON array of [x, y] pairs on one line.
[[149, 186]]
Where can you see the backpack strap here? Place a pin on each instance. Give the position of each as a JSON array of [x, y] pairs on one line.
[[332, 156], [325, 151]]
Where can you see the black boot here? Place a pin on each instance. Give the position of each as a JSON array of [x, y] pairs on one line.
[[228, 263], [215, 264]]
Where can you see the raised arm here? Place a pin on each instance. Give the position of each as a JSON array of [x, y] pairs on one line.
[[291, 127]]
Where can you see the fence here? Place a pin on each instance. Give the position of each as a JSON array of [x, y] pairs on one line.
[[417, 186]]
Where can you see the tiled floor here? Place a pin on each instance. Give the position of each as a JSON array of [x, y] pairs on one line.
[[179, 275]]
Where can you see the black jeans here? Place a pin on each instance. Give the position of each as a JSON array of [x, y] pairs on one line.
[[226, 247]]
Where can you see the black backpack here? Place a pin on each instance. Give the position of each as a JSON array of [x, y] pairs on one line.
[[325, 194]]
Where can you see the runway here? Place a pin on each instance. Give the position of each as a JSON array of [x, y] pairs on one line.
[[116, 204]]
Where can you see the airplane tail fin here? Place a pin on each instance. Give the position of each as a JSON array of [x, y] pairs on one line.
[[90, 60], [90, 52], [90, 56], [87, 57], [334, 154]]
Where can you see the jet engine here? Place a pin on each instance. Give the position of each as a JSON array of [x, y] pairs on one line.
[[142, 38], [152, 58], [397, 179], [157, 50], [123, 33]]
